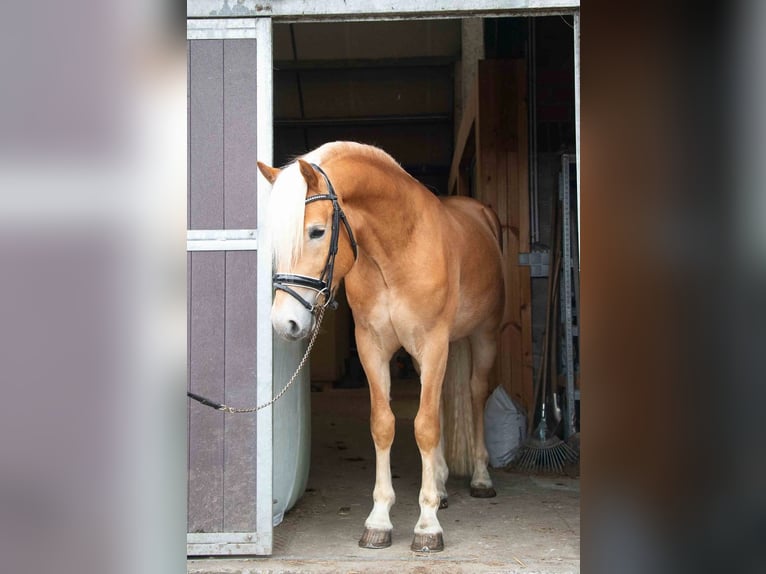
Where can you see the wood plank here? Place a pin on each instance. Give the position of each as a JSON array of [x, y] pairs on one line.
[[239, 473], [513, 270], [467, 127], [506, 354], [239, 134], [462, 188], [464, 173], [527, 358], [207, 371], [486, 135], [492, 185], [503, 208], [366, 63], [523, 154], [206, 312], [206, 134], [525, 280]]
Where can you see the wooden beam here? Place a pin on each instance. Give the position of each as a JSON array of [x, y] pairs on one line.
[[466, 129], [525, 279], [408, 119], [364, 63]]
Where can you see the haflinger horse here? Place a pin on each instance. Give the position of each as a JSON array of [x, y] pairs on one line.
[[419, 271]]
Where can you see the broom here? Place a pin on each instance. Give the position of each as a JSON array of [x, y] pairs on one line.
[[543, 451]]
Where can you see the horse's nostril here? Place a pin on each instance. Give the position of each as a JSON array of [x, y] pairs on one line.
[[293, 327]]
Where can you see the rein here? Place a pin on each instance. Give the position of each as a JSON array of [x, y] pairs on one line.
[[322, 285], [227, 409]]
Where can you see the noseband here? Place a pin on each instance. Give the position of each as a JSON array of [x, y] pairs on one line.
[[323, 285]]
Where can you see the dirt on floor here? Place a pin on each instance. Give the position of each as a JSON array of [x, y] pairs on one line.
[[533, 525]]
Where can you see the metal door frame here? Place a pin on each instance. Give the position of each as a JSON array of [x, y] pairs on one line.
[[260, 541], [358, 10]]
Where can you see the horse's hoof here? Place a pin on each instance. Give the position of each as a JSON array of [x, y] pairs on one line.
[[428, 543], [375, 539], [443, 503], [483, 492]]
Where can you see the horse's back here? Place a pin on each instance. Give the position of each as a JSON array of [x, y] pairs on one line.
[[469, 211]]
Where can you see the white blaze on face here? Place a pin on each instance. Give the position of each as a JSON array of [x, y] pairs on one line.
[[290, 319]]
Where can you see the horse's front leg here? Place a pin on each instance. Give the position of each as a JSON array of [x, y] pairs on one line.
[[375, 356], [428, 532]]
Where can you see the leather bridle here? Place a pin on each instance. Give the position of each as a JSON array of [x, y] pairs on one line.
[[322, 285]]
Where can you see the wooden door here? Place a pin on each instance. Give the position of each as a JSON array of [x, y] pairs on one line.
[[229, 286]]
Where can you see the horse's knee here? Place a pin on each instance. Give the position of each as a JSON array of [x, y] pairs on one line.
[[427, 431], [382, 425]]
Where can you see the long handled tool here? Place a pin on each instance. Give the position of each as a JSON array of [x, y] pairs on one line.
[[572, 435], [543, 451], [570, 287]]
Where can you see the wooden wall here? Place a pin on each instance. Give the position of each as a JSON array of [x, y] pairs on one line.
[[491, 164]]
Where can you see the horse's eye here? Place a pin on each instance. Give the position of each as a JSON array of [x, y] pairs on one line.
[[316, 233]]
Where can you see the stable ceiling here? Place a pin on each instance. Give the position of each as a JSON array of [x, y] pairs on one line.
[[390, 84]]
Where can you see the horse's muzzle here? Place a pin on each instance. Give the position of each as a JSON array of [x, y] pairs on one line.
[[290, 320]]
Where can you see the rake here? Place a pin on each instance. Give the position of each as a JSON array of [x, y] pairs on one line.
[[543, 451]]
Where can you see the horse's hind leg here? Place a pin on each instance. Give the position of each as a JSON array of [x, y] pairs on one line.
[[442, 470], [483, 352], [378, 527]]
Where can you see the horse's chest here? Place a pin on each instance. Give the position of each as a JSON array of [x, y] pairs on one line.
[[391, 315], [406, 308]]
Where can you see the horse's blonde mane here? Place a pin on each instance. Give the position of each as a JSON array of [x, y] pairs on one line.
[[288, 196]]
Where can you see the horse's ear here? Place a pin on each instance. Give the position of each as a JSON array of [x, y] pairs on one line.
[[308, 173], [270, 173]]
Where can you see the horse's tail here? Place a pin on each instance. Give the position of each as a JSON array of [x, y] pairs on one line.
[[457, 411], [457, 416]]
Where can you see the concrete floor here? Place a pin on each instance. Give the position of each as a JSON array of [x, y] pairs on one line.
[[533, 525]]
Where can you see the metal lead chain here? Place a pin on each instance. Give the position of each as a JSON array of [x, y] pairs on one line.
[[228, 409]]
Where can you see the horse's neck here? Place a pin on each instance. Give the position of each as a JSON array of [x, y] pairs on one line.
[[387, 209]]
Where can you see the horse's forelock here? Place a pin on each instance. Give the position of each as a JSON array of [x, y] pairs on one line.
[[287, 206], [288, 196]]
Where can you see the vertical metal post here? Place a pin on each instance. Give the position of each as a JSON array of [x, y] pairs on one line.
[[265, 147], [577, 114], [566, 271]]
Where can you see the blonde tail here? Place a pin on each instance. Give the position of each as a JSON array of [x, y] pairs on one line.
[[457, 416]]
